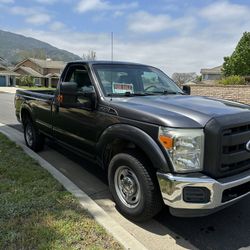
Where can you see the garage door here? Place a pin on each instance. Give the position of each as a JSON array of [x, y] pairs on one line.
[[2, 81]]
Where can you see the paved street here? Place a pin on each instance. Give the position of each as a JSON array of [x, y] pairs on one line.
[[227, 229]]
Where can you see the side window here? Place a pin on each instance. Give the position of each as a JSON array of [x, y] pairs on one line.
[[79, 75]]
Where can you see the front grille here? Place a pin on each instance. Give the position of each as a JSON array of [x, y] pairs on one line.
[[237, 130], [225, 145], [235, 157]]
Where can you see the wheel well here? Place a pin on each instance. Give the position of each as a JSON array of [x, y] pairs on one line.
[[118, 146], [25, 115]]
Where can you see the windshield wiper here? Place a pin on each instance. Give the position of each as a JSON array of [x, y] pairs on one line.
[[129, 94], [166, 92]]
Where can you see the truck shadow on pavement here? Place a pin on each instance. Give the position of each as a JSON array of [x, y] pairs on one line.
[[227, 229]]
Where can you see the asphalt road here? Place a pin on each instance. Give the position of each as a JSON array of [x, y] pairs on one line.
[[227, 229]]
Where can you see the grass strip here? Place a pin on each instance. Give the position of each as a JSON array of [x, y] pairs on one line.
[[36, 212], [35, 88]]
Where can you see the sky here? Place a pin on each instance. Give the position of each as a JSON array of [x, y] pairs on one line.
[[173, 35]]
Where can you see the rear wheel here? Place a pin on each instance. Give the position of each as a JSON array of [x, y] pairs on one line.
[[33, 138], [134, 188]]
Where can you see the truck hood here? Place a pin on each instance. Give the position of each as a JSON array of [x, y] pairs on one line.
[[175, 110]]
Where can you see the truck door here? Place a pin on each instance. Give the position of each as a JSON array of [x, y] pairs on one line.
[[75, 125]]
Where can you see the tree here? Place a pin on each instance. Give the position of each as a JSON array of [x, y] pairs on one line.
[[239, 62], [181, 78], [90, 56], [27, 80]]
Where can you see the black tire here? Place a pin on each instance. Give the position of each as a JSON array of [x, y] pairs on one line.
[[34, 140], [132, 168]]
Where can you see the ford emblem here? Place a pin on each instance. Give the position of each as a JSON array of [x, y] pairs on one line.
[[248, 146]]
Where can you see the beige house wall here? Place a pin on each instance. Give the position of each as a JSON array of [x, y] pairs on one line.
[[53, 71], [238, 93]]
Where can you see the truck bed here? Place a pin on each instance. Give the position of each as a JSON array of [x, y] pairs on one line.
[[41, 94], [27, 97]]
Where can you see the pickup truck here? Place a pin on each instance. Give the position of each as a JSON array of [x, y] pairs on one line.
[[156, 143]]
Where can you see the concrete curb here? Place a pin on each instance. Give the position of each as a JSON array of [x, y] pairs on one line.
[[111, 226]]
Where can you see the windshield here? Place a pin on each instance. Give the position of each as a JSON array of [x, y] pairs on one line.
[[119, 79]]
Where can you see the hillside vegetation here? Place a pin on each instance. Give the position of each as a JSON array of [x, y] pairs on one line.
[[14, 48]]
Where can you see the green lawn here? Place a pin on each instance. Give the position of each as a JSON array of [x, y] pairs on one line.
[[35, 88], [36, 212]]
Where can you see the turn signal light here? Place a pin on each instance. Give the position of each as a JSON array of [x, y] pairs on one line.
[[167, 142], [59, 98]]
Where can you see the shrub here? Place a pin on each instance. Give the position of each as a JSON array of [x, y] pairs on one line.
[[26, 81], [198, 78], [233, 80]]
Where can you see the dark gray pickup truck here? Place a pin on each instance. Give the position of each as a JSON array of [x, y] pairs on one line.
[[156, 143]]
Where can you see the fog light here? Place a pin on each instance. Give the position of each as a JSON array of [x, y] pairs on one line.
[[196, 195]]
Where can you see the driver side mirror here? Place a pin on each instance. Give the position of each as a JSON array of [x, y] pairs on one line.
[[73, 97], [68, 88], [186, 89]]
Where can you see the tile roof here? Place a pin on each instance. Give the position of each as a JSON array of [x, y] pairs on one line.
[[2, 66], [30, 71], [48, 64], [56, 75], [212, 71], [6, 71]]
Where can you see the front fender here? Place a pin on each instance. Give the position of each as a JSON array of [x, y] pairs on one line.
[[136, 136]]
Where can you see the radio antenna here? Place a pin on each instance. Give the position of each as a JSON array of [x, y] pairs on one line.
[[112, 58], [112, 46]]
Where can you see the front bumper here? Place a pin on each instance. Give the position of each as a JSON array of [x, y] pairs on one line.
[[222, 192]]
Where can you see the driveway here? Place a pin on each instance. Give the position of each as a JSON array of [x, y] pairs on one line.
[[227, 229], [8, 89]]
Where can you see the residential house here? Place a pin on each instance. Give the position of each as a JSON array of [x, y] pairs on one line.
[[45, 72], [7, 76], [211, 74], [3, 61]]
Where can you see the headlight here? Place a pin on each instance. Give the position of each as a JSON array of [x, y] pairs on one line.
[[185, 148]]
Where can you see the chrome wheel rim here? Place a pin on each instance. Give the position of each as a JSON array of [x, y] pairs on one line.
[[127, 186], [29, 135]]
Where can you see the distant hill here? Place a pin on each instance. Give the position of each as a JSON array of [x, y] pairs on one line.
[[14, 48]]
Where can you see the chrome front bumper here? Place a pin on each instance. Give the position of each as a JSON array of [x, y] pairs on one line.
[[172, 189]]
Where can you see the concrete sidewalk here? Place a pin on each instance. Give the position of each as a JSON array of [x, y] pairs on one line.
[[11, 90]]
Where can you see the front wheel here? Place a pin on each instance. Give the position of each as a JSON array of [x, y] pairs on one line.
[[133, 187], [33, 138]]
